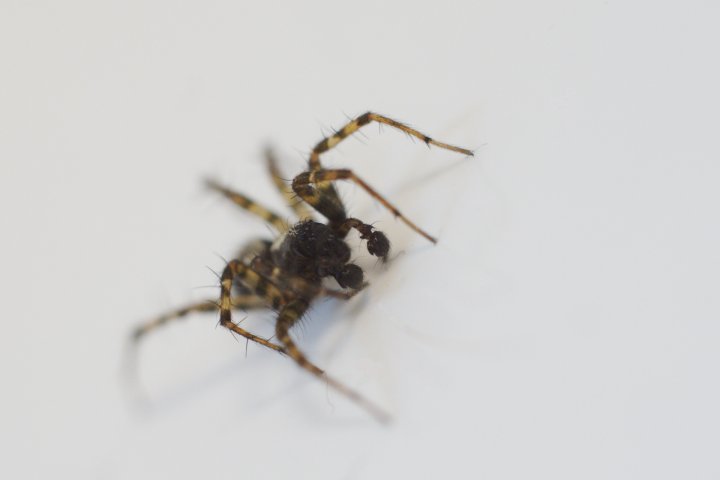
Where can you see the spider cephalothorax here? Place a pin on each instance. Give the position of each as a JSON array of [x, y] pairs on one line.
[[287, 273], [311, 250]]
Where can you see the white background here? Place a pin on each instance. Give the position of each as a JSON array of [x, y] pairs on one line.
[[566, 325]]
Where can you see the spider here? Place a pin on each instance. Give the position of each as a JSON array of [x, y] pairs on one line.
[[287, 274]]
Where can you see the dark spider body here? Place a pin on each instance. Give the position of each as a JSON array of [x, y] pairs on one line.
[[287, 274], [313, 251]]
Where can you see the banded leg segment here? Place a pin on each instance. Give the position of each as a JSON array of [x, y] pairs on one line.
[[250, 205], [303, 186], [245, 302], [261, 287], [289, 315], [354, 125], [283, 187], [327, 200]]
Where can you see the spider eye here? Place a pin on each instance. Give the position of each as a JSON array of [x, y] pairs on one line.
[[350, 276]]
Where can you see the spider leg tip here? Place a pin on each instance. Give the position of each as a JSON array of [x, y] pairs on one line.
[[136, 335], [212, 184], [383, 417]]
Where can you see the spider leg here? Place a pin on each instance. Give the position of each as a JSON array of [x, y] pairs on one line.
[[377, 243], [303, 186], [354, 125], [289, 315], [238, 302], [284, 188], [342, 295], [297, 285], [327, 200], [272, 296], [250, 205]]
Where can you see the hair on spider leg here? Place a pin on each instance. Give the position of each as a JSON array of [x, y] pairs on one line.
[[286, 273], [203, 287], [301, 326], [270, 228], [232, 333], [220, 257]]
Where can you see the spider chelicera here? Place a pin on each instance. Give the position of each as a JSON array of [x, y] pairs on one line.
[[287, 273]]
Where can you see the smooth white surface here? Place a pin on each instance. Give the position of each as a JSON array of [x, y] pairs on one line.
[[566, 326]]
